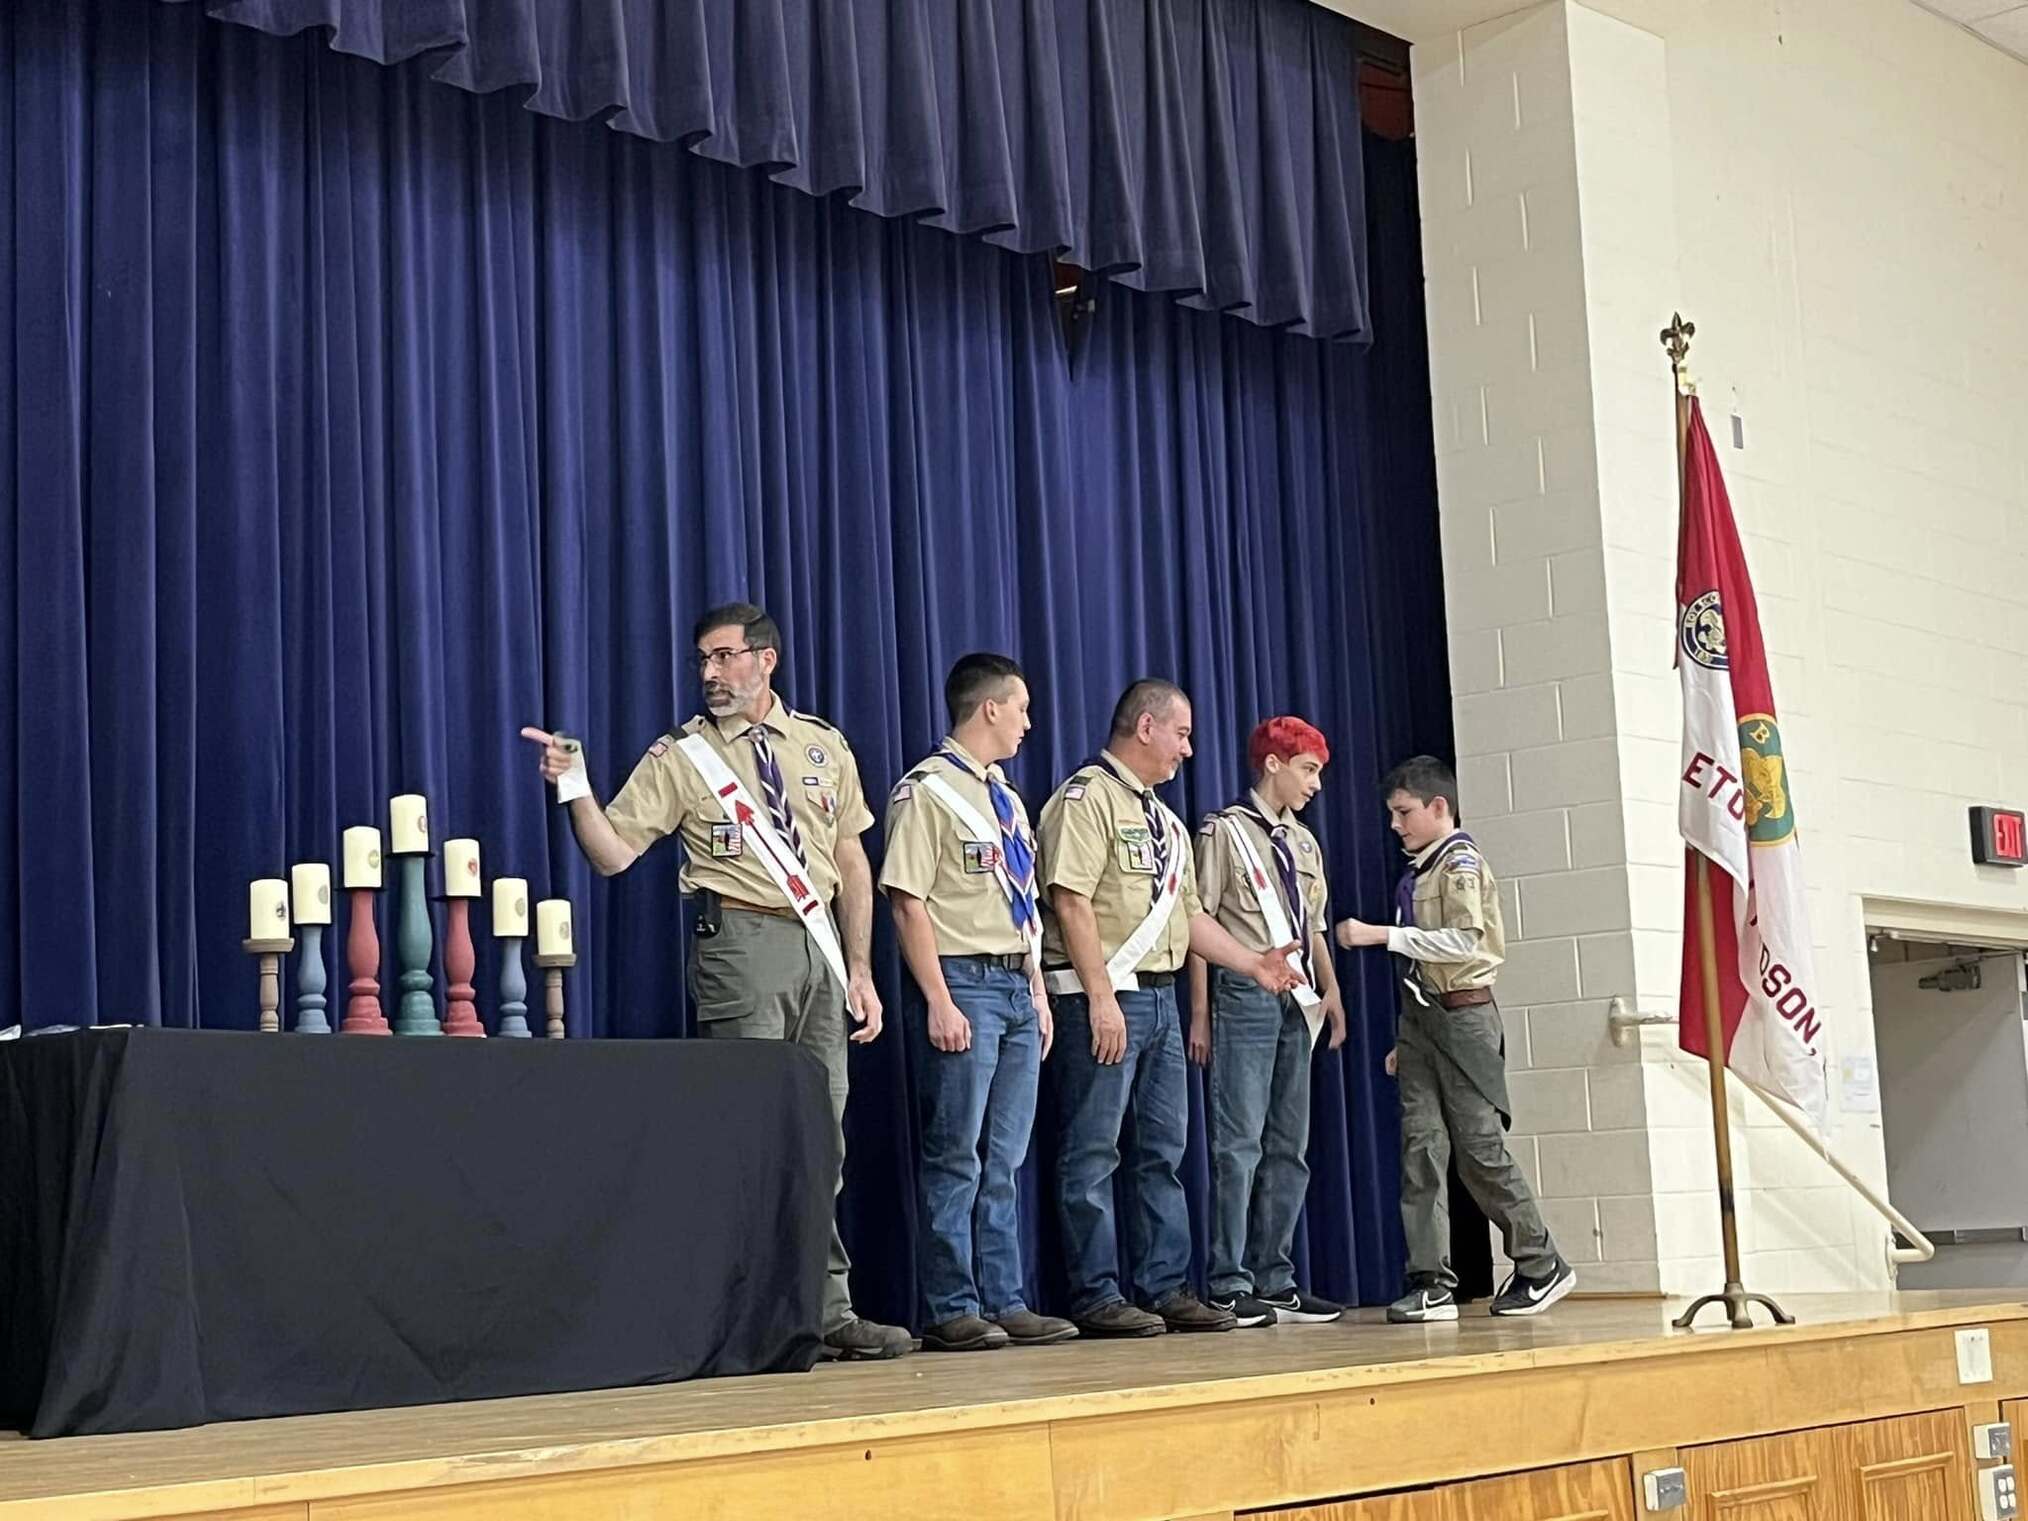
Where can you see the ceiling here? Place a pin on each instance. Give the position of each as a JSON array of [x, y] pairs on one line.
[[2003, 23]]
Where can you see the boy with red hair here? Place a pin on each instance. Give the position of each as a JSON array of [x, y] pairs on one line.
[[1261, 876]]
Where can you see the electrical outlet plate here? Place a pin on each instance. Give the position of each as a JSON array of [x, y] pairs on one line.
[[1975, 1356], [1992, 1442], [1665, 1488], [1999, 1500]]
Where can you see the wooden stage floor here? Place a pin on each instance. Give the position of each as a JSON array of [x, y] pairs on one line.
[[1170, 1426]]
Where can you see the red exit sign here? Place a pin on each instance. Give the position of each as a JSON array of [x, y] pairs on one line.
[[1999, 837]]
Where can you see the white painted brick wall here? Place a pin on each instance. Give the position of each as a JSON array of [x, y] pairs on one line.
[[1527, 597], [1838, 195]]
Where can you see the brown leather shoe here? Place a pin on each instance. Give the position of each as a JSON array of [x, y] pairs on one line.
[[963, 1333], [1182, 1310], [1120, 1319], [867, 1341], [1027, 1329]]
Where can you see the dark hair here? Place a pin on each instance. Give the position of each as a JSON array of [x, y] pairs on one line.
[[1151, 695], [975, 678], [760, 630], [1423, 777]]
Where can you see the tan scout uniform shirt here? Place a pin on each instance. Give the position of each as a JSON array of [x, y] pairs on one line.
[[1095, 841], [667, 795], [932, 857], [1228, 892], [1457, 940]]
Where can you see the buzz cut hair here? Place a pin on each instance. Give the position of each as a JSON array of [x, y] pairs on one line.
[[976, 679]]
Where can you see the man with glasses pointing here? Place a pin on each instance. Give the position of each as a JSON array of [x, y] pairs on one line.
[[767, 802]]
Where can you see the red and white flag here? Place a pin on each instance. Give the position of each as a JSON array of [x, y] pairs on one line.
[[1736, 808]]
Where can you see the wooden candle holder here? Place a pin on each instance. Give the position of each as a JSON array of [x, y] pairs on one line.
[[552, 977], [362, 956], [461, 1017], [270, 953]]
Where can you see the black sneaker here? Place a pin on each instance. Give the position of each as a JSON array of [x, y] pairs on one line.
[[1422, 1303], [1246, 1309], [1522, 1295], [1298, 1308]]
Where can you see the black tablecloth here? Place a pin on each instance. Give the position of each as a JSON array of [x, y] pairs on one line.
[[200, 1226]]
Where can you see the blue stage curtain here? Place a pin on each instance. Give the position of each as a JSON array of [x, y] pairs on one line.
[[1209, 149], [351, 422]]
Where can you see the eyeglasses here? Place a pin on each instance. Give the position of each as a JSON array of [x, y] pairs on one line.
[[720, 658]]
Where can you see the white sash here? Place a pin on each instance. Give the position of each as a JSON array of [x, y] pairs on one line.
[[1120, 969], [1280, 931], [789, 875], [974, 823]]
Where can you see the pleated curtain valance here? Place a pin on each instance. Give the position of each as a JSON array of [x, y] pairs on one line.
[[1206, 149]]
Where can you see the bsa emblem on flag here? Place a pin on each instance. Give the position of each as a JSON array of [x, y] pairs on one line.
[[1704, 632]]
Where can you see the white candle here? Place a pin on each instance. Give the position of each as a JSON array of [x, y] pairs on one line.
[[552, 927], [267, 909], [408, 830], [362, 856], [461, 869], [310, 892], [510, 906]]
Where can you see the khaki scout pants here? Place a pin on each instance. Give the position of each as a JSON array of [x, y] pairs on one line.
[[763, 978]]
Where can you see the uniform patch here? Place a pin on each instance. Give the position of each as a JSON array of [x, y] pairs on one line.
[[1137, 855], [902, 793], [829, 802], [980, 857], [818, 755], [1307, 846], [1073, 792], [813, 781], [1133, 832], [1462, 860], [726, 842], [660, 747]]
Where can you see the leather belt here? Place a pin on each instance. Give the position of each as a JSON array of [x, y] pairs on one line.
[[1063, 981], [772, 910], [1014, 961], [1465, 998]]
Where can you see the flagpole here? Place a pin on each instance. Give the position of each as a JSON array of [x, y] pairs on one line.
[[1676, 339]]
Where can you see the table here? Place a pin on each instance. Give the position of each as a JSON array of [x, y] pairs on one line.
[[200, 1226]]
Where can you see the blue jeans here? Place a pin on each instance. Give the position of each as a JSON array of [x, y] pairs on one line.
[[1260, 1130], [968, 1235], [1093, 1101]]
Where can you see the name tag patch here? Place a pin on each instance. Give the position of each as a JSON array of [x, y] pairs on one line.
[[981, 857], [726, 841]]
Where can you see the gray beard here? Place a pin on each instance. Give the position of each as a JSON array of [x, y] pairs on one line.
[[737, 700]]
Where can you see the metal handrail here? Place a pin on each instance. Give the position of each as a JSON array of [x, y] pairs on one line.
[[1623, 1021]]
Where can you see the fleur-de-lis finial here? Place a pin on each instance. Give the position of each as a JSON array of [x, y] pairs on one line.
[[1676, 339]]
